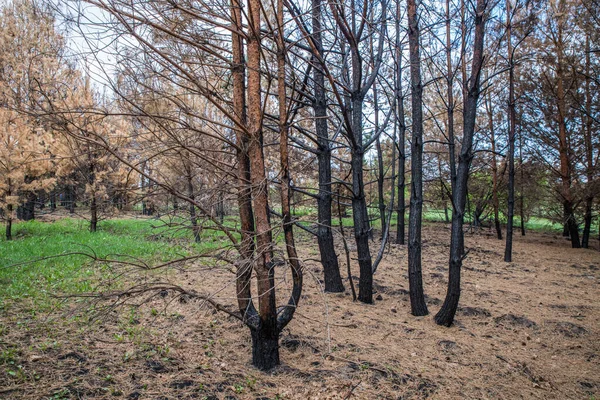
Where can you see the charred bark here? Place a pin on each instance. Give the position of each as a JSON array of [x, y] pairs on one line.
[[9, 211], [415, 278], [445, 316], [401, 123], [329, 259], [192, 208], [26, 211], [511, 138]]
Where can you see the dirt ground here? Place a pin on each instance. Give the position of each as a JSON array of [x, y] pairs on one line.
[[527, 329]]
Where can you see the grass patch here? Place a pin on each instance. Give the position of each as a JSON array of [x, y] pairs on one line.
[[26, 277]]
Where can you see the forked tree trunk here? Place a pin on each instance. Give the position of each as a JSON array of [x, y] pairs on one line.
[[359, 206], [244, 199], [446, 314], [329, 259], [415, 278], [265, 353], [270, 322], [286, 180], [352, 35]]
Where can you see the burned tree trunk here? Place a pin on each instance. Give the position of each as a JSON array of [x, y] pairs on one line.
[[265, 352], [495, 200], [329, 259], [244, 195], [380, 170], [26, 211], [564, 148], [359, 204], [401, 123], [192, 208], [450, 100], [446, 314], [401, 225], [266, 325], [9, 210], [415, 278], [53, 200], [522, 185], [511, 138], [93, 203], [93, 215]]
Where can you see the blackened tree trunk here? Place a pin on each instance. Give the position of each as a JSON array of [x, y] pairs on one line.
[[522, 185], [26, 211], [93, 203], [9, 210], [401, 123], [53, 200], [415, 278], [495, 200], [511, 137], [329, 259], [357, 88], [41, 200], [93, 214], [450, 101], [380, 170], [589, 202], [192, 208], [359, 206], [70, 194], [446, 314], [286, 180], [563, 136], [400, 222], [265, 348]]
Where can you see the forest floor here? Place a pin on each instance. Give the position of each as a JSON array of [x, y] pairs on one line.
[[528, 329]]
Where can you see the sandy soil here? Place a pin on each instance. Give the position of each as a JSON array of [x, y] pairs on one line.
[[527, 329]]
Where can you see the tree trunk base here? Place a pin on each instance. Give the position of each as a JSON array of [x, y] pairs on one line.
[[445, 317], [331, 269], [265, 350]]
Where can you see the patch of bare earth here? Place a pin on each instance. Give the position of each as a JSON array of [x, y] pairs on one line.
[[527, 329]]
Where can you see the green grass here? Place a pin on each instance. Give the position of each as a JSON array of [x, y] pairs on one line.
[[25, 276], [433, 215]]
